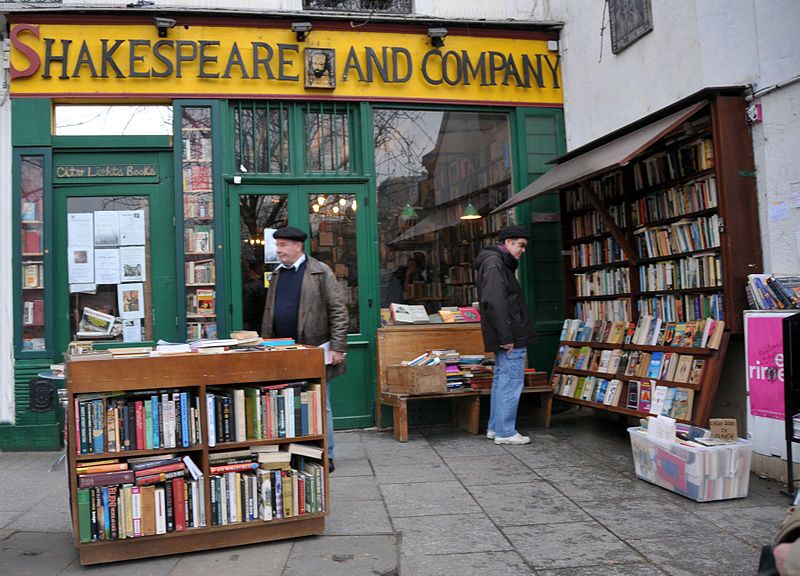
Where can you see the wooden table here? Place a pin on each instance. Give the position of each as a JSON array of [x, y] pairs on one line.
[[398, 343]]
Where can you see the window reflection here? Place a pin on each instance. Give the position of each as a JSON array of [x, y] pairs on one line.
[[119, 120], [332, 223], [431, 167]]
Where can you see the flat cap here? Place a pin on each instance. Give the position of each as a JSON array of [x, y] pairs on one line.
[[290, 233], [513, 232]]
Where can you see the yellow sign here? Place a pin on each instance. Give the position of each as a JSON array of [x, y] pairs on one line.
[[132, 61]]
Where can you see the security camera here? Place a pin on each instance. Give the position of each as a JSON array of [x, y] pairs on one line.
[[302, 30], [163, 24], [437, 36]]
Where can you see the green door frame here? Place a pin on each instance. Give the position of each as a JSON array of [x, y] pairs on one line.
[[162, 226]]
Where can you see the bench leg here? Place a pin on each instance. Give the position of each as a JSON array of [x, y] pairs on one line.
[[466, 412], [541, 413], [401, 421]]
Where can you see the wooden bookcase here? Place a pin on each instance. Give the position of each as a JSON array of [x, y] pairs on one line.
[[704, 390], [196, 373], [684, 209]]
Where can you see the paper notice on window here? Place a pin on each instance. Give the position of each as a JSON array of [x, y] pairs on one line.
[[132, 264], [106, 266], [131, 228], [132, 330], [130, 300], [106, 228], [80, 264], [80, 230]]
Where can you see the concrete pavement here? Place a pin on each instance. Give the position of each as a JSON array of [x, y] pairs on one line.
[[445, 503]]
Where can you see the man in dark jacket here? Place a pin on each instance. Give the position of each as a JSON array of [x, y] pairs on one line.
[[507, 329], [305, 302]]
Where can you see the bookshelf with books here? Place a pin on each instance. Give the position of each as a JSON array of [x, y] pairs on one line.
[[241, 437], [647, 368], [674, 232], [198, 198], [32, 253]]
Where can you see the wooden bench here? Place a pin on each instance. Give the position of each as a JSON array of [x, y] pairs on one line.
[[398, 343]]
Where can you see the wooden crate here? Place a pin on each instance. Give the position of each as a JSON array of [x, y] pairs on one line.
[[402, 379]]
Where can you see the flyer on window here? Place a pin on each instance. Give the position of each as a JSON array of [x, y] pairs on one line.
[[106, 228], [132, 330], [130, 300], [80, 264], [131, 228], [106, 266], [80, 229], [132, 264]]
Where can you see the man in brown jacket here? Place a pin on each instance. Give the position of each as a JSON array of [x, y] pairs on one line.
[[306, 303]]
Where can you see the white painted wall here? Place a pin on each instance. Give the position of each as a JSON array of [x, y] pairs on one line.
[[6, 311]]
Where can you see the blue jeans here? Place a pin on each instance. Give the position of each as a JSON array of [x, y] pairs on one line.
[[330, 419], [509, 377]]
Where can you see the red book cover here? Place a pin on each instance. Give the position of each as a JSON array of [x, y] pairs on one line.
[[33, 242], [38, 312], [179, 503], [160, 469], [233, 467], [105, 478], [140, 443]]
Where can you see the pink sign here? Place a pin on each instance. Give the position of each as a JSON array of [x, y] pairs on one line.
[[765, 366]]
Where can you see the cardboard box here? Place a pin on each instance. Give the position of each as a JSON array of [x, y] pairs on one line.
[[701, 473], [402, 379]]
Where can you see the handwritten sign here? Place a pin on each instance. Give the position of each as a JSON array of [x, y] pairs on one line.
[[724, 429]]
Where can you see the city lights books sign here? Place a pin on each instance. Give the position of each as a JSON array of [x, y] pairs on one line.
[[90, 57]]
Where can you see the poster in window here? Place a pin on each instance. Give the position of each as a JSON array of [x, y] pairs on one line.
[[132, 264], [80, 264], [132, 330], [131, 227], [106, 228], [80, 229], [106, 266], [270, 247], [130, 300]]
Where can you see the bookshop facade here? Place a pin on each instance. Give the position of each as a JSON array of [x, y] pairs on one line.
[[380, 143]]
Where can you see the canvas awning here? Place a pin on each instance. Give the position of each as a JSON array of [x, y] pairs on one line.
[[612, 154]]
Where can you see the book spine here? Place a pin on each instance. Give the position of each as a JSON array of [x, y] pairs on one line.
[[233, 467], [185, 419], [139, 408], [155, 424], [178, 494]]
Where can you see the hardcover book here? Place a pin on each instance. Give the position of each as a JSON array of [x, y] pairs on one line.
[[684, 368]]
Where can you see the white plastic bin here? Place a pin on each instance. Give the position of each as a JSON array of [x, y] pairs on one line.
[[700, 473]]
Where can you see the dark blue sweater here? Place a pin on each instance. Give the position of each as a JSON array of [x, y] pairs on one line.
[[287, 301]]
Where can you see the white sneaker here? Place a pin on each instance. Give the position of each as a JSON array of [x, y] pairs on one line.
[[515, 439], [490, 434]]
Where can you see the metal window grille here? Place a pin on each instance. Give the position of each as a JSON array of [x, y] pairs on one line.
[[262, 137], [327, 138]]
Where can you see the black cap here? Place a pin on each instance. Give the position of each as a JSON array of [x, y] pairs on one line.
[[290, 233], [513, 232]]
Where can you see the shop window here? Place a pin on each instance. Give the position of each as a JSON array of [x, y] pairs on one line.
[[332, 223], [32, 244], [262, 137], [108, 267], [376, 6], [439, 175], [327, 138], [259, 216], [119, 120]]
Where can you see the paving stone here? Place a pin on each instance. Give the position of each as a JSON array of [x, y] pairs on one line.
[[525, 504], [449, 534], [748, 523], [633, 519], [471, 564], [37, 553], [364, 517], [581, 544], [353, 488], [427, 499], [551, 454], [483, 470], [460, 443], [702, 554], [348, 445], [606, 570], [404, 473], [344, 556], [264, 559], [346, 467], [601, 484]]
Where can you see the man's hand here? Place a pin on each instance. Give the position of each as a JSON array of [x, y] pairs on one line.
[[337, 357], [508, 347]]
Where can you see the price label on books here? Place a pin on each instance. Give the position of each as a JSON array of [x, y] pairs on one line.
[[724, 428]]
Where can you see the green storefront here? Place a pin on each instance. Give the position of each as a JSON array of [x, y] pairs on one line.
[[374, 142]]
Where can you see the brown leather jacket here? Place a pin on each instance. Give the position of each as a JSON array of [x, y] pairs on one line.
[[323, 313]]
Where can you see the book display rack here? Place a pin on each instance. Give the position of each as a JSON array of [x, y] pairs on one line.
[[195, 451], [673, 233], [642, 369], [198, 222]]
